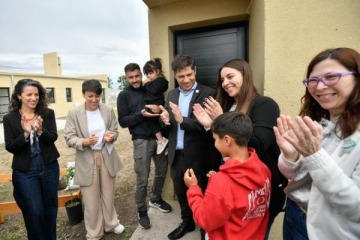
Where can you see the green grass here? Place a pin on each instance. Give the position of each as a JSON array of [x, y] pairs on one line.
[[6, 192]]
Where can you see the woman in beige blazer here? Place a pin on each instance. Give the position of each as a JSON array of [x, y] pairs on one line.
[[91, 129]]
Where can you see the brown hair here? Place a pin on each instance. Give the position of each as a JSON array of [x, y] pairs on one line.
[[350, 117], [247, 91], [182, 61]]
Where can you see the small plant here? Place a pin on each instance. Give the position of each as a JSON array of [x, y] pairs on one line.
[[73, 206], [69, 177]]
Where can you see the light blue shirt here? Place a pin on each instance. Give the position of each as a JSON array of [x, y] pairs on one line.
[[184, 104]]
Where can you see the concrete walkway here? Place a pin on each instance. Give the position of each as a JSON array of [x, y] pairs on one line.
[[60, 124], [164, 223]]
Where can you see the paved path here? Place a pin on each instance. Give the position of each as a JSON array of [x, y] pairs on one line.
[[60, 123], [164, 223]]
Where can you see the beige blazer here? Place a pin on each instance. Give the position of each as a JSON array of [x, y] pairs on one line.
[[76, 129]]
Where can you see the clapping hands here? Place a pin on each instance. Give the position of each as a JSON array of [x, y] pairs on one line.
[[212, 107], [301, 136], [202, 116], [206, 115], [176, 112]]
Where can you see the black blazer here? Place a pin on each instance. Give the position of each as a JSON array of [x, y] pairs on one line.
[[263, 112], [196, 139], [15, 140]]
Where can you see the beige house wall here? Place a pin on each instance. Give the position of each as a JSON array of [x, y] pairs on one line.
[[295, 31], [257, 42], [283, 36], [52, 64], [61, 106]]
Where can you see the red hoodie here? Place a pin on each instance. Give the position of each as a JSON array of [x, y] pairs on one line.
[[236, 201]]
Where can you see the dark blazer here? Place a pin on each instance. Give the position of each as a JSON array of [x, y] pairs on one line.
[[263, 112], [196, 138], [16, 144]]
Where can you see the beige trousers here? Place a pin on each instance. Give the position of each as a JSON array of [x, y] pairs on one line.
[[98, 199]]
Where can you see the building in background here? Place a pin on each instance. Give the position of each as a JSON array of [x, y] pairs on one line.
[[277, 37], [64, 92]]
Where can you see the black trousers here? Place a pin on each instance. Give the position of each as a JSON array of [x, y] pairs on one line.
[[177, 171]]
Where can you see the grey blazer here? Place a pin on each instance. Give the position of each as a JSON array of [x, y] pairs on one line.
[[76, 129]]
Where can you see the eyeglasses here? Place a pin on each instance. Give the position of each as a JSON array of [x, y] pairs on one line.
[[328, 79]]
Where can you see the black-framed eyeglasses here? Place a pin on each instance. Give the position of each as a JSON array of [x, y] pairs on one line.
[[328, 79]]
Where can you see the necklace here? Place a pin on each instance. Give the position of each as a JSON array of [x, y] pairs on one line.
[[28, 119]]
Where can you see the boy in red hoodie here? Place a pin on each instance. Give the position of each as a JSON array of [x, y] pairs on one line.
[[236, 201]]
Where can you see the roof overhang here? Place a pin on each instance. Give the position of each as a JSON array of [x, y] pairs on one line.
[[156, 3]]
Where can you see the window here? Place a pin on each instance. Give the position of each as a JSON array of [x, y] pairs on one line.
[[103, 96], [68, 95], [51, 94], [4, 102]]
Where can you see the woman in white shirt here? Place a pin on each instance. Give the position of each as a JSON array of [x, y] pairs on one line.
[[320, 155], [91, 129]]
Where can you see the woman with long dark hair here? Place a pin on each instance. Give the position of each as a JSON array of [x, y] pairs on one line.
[[236, 92], [30, 133]]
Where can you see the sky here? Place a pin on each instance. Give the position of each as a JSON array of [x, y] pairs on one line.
[[90, 36]]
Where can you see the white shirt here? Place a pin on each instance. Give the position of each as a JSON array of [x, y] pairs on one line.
[[96, 126]]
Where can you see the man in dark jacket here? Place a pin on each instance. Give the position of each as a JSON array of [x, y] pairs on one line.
[[131, 114], [189, 142]]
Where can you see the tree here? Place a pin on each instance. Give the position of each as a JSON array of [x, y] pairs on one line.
[[123, 82], [110, 82]]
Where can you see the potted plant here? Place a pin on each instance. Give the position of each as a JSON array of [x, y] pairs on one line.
[[74, 209]]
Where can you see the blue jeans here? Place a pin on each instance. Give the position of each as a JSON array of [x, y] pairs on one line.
[[294, 226], [35, 192]]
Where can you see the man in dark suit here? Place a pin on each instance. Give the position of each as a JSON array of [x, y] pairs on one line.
[[188, 140]]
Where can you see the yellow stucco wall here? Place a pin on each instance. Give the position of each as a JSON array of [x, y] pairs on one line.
[[283, 36], [52, 64], [295, 31], [179, 15], [61, 106], [257, 42]]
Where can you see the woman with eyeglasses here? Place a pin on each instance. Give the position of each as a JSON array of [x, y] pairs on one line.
[[320, 155], [30, 133]]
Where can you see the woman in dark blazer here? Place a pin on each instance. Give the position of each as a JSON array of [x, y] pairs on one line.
[[236, 92], [30, 133]]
